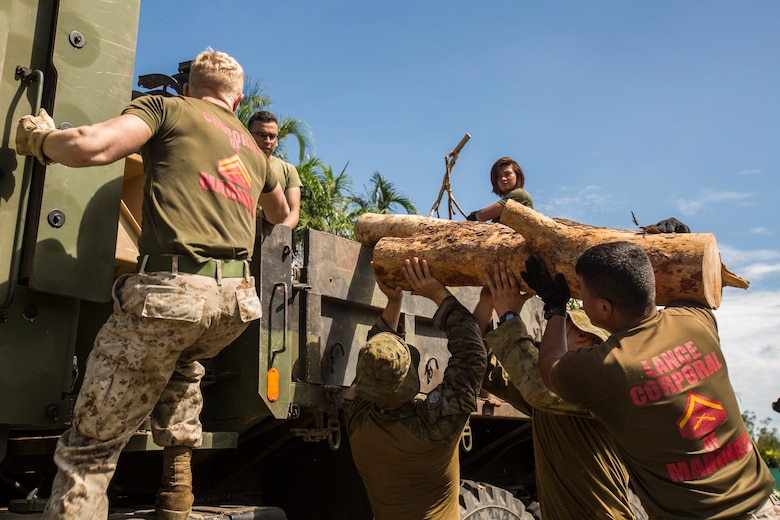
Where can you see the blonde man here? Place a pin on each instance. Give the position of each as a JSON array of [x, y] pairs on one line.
[[192, 269]]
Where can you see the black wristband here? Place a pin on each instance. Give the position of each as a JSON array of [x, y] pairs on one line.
[[550, 311], [508, 315]]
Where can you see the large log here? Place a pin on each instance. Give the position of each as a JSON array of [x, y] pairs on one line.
[[687, 266], [458, 255], [370, 228]]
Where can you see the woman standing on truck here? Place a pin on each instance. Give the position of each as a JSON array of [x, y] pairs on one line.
[[508, 179]]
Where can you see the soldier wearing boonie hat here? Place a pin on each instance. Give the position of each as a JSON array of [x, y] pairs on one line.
[[405, 444], [580, 320], [387, 370]]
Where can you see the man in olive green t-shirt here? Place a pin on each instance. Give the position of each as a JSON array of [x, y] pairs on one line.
[[193, 293], [264, 127], [660, 386]]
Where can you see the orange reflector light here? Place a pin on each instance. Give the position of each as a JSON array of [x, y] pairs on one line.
[[272, 385]]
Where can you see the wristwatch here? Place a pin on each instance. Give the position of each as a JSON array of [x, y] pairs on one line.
[[550, 311], [508, 315]]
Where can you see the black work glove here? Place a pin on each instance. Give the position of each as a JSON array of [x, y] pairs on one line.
[[472, 216], [553, 291], [672, 225], [776, 405]]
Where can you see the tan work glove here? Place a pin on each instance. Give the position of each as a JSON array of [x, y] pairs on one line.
[[31, 132]]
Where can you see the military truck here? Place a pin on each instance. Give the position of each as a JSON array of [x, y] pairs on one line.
[[274, 444]]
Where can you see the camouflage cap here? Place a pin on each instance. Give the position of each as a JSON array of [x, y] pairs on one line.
[[387, 370], [580, 320]]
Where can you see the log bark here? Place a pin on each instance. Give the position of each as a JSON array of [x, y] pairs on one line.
[[687, 266]]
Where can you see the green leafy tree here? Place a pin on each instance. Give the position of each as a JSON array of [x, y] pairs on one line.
[[255, 100], [325, 200], [766, 439], [382, 197]]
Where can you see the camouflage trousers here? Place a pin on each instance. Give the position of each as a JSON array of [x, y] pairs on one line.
[[144, 363]]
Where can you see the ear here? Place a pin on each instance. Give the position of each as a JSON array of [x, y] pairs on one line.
[[604, 312], [237, 101]]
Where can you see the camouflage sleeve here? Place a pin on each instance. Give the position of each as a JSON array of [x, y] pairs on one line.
[[447, 407], [519, 356], [497, 382]]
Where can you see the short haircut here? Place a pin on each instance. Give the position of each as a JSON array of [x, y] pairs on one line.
[[216, 72], [262, 117], [621, 273], [497, 167]]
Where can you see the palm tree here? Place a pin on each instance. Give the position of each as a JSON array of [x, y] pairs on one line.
[[254, 100], [325, 200], [382, 197]]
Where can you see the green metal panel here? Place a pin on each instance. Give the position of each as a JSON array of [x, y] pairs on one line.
[[24, 41], [234, 390], [37, 334], [93, 58]]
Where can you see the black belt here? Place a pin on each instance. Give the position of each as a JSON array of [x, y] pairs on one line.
[[184, 264]]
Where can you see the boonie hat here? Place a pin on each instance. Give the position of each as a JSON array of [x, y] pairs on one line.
[[580, 320], [386, 370]]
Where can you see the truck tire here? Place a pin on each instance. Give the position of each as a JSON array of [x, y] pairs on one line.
[[480, 501]]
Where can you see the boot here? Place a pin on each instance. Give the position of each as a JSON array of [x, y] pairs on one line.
[[174, 498]]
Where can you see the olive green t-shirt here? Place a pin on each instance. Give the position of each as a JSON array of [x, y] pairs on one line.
[[661, 388], [204, 174], [578, 472], [518, 195], [286, 173]]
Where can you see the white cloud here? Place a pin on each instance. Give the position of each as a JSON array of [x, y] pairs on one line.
[[755, 265], [575, 205], [750, 338], [690, 207], [749, 172], [761, 230]]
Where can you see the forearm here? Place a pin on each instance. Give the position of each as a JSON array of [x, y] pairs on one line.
[[392, 314], [468, 359], [293, 196], [275, 208], [490, 212], [98, 144], [552, 348]]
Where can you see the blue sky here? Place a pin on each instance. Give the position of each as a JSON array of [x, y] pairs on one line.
[[663, 108]]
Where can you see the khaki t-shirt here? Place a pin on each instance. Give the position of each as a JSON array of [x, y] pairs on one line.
[[662, 390], [204, 174]]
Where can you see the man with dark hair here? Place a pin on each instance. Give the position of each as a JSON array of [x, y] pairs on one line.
[[264, 127], [660, 386], [405, 444]]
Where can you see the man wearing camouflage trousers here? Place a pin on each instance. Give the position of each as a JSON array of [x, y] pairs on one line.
[[404, 444], [192, 294]]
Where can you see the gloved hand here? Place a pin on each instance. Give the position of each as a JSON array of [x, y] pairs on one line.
[[776, 405], [31, 132], [472, 216], [553, 291], [672, 225]]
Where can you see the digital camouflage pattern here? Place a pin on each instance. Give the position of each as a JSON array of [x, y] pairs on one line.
[[441, 414], [519, 357], [408, 457], [145, 362], [386, 372]]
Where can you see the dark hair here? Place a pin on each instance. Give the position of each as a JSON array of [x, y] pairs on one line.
[[621, 273], [263, 117], [497, 167]]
